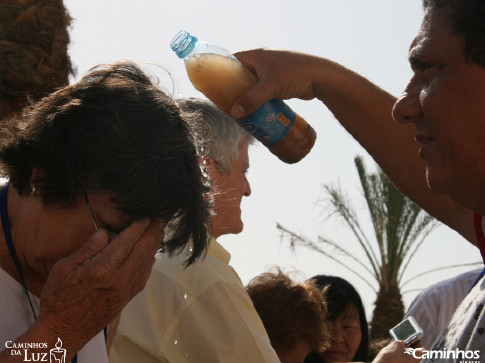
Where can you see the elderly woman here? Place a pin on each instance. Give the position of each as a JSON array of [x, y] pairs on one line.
[[94, 171]]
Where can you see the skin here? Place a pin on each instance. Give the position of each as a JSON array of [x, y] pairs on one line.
[[346, 336], [230, 189], [85, 281]]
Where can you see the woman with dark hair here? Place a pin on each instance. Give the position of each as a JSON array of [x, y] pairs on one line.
[[348, 329], [94, 172]]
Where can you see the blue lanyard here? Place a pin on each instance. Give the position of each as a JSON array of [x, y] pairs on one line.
[[8, 239]]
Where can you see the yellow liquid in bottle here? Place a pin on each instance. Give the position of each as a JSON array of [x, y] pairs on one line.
[[220, 78], [223, 80]]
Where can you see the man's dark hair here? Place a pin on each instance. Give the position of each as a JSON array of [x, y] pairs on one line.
[[113, 131], [467, 19]]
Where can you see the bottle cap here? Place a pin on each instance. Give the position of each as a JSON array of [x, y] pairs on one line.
[[183, 43]]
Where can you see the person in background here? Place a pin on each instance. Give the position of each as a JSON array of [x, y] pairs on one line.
[[434, 306], [293, 315], [201, 313], [88, 194], [349, 335], [440, 117]]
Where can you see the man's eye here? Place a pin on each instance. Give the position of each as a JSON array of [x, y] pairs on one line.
[[419, 65]]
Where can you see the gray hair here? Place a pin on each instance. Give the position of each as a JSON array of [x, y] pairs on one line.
[[224, 136]]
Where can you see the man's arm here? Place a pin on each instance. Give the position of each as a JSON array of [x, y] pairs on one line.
[[363, 109]]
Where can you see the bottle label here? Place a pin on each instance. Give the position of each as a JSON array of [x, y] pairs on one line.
[[270, 122]]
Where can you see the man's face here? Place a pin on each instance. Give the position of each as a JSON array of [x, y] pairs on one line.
[[229, 190], [445, 102]]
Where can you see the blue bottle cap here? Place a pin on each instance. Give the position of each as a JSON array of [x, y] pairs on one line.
[[183, 43]]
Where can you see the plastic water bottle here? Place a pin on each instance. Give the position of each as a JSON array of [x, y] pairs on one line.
[[216, 73]]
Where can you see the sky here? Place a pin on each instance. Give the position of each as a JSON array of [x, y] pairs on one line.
[[369, 36]]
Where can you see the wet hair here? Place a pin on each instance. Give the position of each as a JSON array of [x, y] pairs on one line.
[[114, 131], [466, 19], [223, 135], [290, 312], [339, 294]]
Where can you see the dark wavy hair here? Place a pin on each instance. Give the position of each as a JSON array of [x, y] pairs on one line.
[[339, 294], [466, 19], [113, 131]]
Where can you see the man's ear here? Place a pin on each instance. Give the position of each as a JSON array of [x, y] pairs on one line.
[[208, 166]]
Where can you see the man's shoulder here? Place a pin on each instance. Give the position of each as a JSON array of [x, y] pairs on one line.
[[204, 273], [462, 280]]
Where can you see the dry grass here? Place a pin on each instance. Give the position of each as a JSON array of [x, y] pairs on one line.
[[33, 51]]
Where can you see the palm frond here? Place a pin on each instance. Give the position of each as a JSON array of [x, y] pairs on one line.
[[297, 239], [340, 207], [400, 229]]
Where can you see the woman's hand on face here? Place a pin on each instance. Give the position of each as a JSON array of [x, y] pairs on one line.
[[86, 290], [395, 353]]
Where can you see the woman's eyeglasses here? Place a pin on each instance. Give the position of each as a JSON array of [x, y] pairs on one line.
[[112, 234]]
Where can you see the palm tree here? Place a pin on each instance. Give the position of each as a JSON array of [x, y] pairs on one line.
[[34, 60], [400, 227]]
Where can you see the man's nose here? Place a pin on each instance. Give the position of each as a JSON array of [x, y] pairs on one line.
[[247, 193], [408, 107]]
